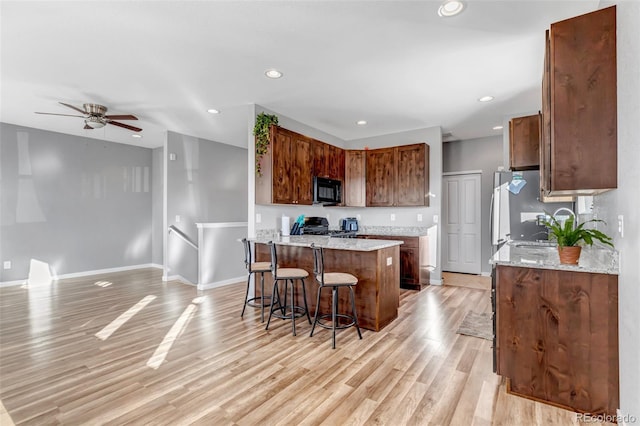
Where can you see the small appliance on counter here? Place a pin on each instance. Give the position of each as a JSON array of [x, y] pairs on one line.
[[320, 226], [349, 224]]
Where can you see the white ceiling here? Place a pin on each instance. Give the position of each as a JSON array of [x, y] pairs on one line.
[[395, 64]]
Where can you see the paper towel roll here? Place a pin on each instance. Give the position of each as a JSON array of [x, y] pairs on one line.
[[285, 225]]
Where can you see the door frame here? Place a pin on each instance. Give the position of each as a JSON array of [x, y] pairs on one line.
[[445, 215]]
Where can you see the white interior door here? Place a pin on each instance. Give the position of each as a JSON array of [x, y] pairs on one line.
[[462, 219]]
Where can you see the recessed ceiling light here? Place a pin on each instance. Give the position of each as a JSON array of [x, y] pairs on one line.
[[485, 99], [450, 8], [361, 122], [137, 136], [213, 111], [498, 127], [272, 73]]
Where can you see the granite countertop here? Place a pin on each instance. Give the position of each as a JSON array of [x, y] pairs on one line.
[[353, 244], [530, 255], [394, 231]]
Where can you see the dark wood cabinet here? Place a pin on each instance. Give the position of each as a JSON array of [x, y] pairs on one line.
[[328, 160], [414, 260], [578, 154], [398, 176], [354, 181], [557, 336], [286, 170], [381, 177], [524, 143]]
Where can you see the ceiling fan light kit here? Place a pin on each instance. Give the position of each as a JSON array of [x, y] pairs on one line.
[[95, 117]]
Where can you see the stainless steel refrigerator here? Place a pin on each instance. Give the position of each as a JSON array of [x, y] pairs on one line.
[[515, 206]]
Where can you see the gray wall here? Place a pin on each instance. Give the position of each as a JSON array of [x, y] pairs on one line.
[[157, 194], [626, 201], [207, 182], [477, 154], [76, 203]]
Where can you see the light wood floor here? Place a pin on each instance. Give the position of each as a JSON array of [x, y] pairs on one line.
[[223, 369]]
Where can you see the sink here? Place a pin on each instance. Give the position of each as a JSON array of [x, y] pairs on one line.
[[534, 244]]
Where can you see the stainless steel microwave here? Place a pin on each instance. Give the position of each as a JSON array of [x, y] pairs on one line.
[[327, 191]]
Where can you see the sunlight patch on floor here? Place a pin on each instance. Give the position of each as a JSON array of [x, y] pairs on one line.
[[103, 283], [178, 327], [123, 318]]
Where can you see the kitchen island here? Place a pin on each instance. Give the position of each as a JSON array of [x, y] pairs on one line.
[[374, 262], [556, 326]]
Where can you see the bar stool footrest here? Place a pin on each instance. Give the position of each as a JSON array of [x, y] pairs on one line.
[[299, 311], [329, 326], [266, 301]]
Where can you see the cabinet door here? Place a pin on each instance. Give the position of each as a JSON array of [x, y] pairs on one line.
[[301, 169], [354, 187], [319, 153], [282, 180], [584, 103], [524, 143], [381, 177], [412, 182], [335, 162], [409, 274]]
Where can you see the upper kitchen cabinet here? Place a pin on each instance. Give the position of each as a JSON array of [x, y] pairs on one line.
[[286, 170], [398, 176], [524, 143], [354, 181], [578, 154], [328, 160]]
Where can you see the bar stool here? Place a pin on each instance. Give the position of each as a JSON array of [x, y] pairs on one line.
[[289, 276], [255, 268], [334, 280]]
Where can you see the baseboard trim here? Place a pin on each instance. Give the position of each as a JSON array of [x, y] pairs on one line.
[[485, 274], [435, 282], [222, 283], [86, 273], [180, 278]]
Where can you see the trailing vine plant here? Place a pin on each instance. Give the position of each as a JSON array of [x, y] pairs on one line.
[[261, 132]]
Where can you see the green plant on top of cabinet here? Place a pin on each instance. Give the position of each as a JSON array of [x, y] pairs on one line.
[[579, 106], [524, 143], [398, 176]]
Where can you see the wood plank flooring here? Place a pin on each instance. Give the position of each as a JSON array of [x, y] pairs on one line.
[[224, 370]]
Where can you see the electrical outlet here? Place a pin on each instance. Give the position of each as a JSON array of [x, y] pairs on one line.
[[177, 218], [7, 264], [258, 218], [419, 217], [393, 217], [621, 225], [435, 218]]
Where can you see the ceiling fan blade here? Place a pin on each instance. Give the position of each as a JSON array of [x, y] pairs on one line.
[[121, 117], [72, 107], [64, 115], [125, 126], [86, 126]]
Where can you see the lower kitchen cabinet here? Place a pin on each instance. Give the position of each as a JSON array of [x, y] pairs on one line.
[[414, 260], [557, 336]]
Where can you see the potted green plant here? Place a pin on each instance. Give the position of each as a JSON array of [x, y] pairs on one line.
[[569, 237], [261, 132]]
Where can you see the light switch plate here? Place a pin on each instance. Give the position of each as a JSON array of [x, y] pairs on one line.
[[621, 225], [419, 217], [177, 218], [7, 264], [392, 217], [258, 218]]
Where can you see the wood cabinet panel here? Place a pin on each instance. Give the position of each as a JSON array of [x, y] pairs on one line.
[[354, 182], [524, 143], [580, 105], [381, 177], [412, 183], [301, 170], [557, 336], [328, 160]]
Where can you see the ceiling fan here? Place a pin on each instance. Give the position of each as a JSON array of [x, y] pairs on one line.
[[95, 118]]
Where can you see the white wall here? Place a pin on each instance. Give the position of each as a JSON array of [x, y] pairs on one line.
[[626, 201]]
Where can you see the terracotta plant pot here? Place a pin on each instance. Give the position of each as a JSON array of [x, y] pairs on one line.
[[569, 254]]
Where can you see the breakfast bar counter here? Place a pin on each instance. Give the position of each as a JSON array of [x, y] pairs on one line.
[[374, 262]]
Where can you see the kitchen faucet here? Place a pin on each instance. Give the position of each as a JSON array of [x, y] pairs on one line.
[[568, 210]]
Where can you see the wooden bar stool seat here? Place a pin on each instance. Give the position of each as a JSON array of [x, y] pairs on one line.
[[334, 281]]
